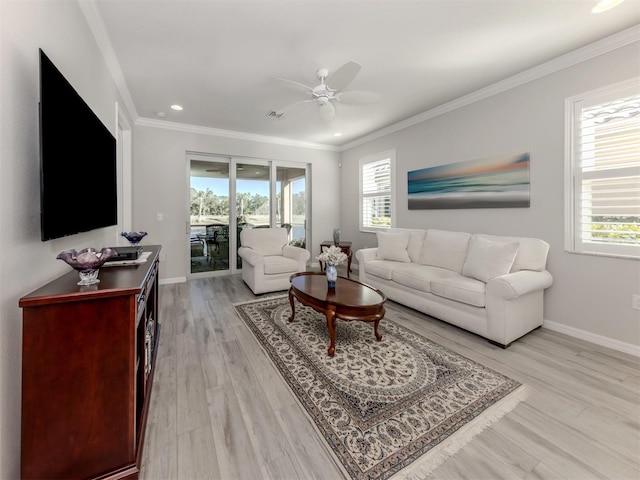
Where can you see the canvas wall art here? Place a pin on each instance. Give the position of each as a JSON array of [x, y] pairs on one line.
[[496, 182]]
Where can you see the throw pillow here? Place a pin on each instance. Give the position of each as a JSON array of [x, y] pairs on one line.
[[488, 259], [445, 249], [393, 246]]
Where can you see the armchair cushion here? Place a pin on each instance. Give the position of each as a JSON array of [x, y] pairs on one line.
[[265, 241], [275, 264]]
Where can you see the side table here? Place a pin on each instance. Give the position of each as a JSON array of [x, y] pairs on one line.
[[345, 247]]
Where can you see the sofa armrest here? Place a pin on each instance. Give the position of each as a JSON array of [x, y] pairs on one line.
[[250, 256], [519, 283], [296, 253], [366, 254]]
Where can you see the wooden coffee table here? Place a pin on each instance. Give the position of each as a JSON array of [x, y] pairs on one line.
[[348, 301]]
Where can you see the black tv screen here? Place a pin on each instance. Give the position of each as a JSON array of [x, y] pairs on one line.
[[78, 182]]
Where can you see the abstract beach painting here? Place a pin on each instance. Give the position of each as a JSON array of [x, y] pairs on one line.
[[496, 182]]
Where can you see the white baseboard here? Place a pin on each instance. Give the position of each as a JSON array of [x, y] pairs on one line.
[[553, 326], [593, 338], [169, 281]]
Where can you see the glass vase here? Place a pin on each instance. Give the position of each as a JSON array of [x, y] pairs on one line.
[[336, 236], [332, 275]]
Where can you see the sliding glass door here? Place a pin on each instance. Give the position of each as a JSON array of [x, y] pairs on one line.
[[209, 215], [291, 203], [266, 193], [253, 193]]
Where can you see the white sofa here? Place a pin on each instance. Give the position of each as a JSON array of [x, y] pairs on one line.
[[267, 259], [490, 285]]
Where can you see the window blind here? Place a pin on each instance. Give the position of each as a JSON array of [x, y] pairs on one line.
[[607, 175], [376, 194]]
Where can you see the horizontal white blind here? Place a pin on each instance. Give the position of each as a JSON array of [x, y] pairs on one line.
[[607, 210], [376, 194]]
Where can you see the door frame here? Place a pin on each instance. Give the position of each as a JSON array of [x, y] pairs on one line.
[[233, 160]]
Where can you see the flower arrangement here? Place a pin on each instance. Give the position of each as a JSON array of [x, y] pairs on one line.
[[332, 255]]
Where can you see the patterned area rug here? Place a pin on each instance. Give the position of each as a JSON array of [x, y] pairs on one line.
[[402, 403]]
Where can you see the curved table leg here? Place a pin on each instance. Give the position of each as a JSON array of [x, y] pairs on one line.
[[293, 308], [331, 326], [375, 330]]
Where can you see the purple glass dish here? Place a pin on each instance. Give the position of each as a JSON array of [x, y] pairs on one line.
[[87, 262], [134, 237]]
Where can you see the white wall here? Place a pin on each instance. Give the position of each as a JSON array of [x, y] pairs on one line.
[[590, 294], [161, 185], [59, 28]]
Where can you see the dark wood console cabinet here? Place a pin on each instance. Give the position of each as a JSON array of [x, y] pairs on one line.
[[88, 355]]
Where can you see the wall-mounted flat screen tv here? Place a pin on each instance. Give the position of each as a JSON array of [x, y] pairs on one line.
[[78, 181]]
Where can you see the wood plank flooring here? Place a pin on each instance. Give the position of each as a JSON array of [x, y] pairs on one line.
[[219, 409]]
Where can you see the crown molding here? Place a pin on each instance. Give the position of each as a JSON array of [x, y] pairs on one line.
[[217, 132], [613, 42], [94, 20]]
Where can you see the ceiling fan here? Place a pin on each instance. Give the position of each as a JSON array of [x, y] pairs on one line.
[[331, 90]]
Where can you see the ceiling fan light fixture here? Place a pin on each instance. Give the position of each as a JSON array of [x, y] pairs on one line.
[[330, 91], [604, 5]]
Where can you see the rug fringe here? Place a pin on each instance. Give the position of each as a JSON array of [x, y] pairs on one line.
[[431, 460]]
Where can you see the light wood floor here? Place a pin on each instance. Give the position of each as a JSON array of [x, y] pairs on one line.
[[219, 409]]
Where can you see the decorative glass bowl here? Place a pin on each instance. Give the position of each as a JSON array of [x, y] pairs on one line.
[[87, 262], [134, 237]]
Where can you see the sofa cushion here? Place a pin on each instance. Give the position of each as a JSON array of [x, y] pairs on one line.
[[414, 247], [445, 249], [419, 277], [393, 246], [275, 264], [461, 289], [381, 268], [488, 259], [532, 254]]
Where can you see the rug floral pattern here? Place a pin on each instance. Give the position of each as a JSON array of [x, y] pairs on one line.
[[379, 405]]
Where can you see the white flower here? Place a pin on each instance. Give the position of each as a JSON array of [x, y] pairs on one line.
[[332, 255]]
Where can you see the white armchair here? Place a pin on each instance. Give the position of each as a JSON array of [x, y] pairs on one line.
[[267, 259]]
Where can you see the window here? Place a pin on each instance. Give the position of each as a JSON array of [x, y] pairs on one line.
[[603, 171], [376, 191]]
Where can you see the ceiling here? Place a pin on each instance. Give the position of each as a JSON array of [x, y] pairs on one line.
[[220, 60]]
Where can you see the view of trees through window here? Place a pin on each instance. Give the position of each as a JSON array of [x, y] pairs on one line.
[[206, 205], [264, 195]]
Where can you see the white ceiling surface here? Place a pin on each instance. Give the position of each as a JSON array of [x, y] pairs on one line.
[[220, 59]]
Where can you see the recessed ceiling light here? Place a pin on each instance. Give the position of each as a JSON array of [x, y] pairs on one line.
[[604, 5], [161, 114], [176, 107], [338, 134]]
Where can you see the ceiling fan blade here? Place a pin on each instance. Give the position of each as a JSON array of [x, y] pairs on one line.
[[289, 107], [343, 76], [296, 85], [327, 112], [357, 97]]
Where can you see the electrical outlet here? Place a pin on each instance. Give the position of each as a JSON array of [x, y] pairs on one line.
[[635, 302], [163, 257]]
